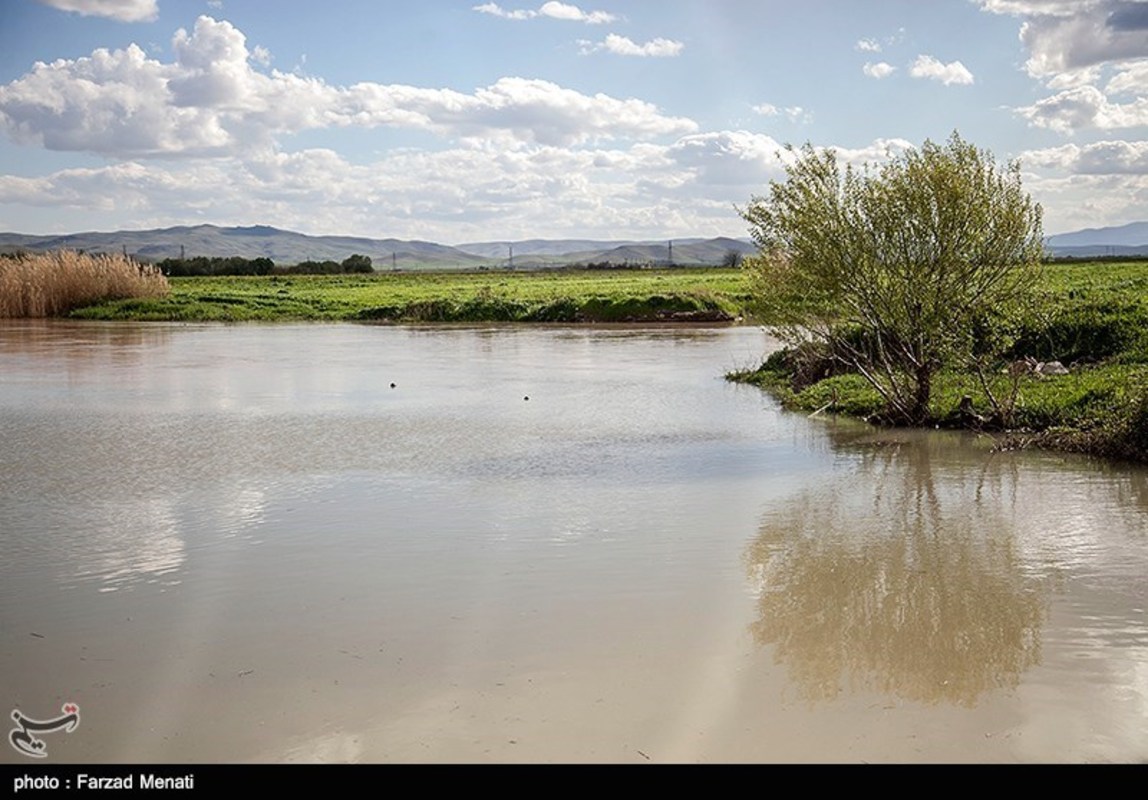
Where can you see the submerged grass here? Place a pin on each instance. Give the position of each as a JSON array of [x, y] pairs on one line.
[[558, 296], [51, 284], [1093, 317]]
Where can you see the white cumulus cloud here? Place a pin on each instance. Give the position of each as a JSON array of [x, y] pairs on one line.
[[1022, 7], [494, 9], [931, 68], [1131, 79], [1073, 47], [1066, 35], [474, 190], [212, 101], [552, 9], [868, 46], [792, 113], [730, 158], [1099, 158], [123, 10], [878, 70], [877, 152], [622, 46], [1085, 107]]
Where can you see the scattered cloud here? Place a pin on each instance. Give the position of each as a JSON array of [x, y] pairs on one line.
[[1098, 158], [1066, 35], [572, 13], [642, 189], [658, 48], [1073, 78], [212, 101], [1085, 107], [450, 195], [122, 10], [622, 46], [203, 131], [1131, 79], [792, 113], [877, 152], [1028, 7], [552, 9], [494, 9], [1073, 47], [1082, 200], [878, 70], [729, 158], [952, 73]]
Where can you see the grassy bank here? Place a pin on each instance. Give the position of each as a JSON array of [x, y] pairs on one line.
[[1093, 317], [52, 284], [553, 296]]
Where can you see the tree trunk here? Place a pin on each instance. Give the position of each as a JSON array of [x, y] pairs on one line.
[[924, 377]]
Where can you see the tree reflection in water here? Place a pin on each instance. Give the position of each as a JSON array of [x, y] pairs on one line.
[[901, 575]]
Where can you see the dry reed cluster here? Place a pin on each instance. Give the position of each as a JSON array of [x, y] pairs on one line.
[[49, 284]]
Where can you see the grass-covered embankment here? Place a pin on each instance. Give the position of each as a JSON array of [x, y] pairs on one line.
[[554, 296], [1093, 317]]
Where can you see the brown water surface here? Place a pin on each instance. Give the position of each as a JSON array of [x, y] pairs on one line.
[[240, 543]]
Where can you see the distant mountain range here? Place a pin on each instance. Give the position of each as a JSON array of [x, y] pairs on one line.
[[1123, 240], [287, 247]]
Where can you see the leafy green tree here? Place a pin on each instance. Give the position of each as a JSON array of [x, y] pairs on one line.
[[357, 263], [894, 269]]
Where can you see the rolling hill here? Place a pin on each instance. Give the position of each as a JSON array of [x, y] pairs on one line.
[[1122, 240], [287, 247], [260, 241]]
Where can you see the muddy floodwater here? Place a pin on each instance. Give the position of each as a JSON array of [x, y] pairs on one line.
[[295, 543]]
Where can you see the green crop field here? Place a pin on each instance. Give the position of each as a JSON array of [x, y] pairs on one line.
[[550, 296]]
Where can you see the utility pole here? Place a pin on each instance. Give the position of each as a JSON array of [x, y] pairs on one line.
[[671, 252], [394, 261], [511, 256]]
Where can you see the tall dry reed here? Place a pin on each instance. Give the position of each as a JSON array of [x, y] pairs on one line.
[[49, 284]]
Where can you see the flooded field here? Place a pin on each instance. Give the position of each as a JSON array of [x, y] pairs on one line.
[[355, 543]]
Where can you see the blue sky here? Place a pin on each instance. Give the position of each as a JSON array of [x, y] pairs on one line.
[[465, 121]]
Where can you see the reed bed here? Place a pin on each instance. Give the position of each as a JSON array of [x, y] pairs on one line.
[[52, 284]]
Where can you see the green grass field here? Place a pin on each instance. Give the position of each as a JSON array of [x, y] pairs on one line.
[[551, 296]]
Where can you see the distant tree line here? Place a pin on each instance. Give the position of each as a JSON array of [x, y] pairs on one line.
[[203, 265], [1136, 257], [631, 265], [352, 263]]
